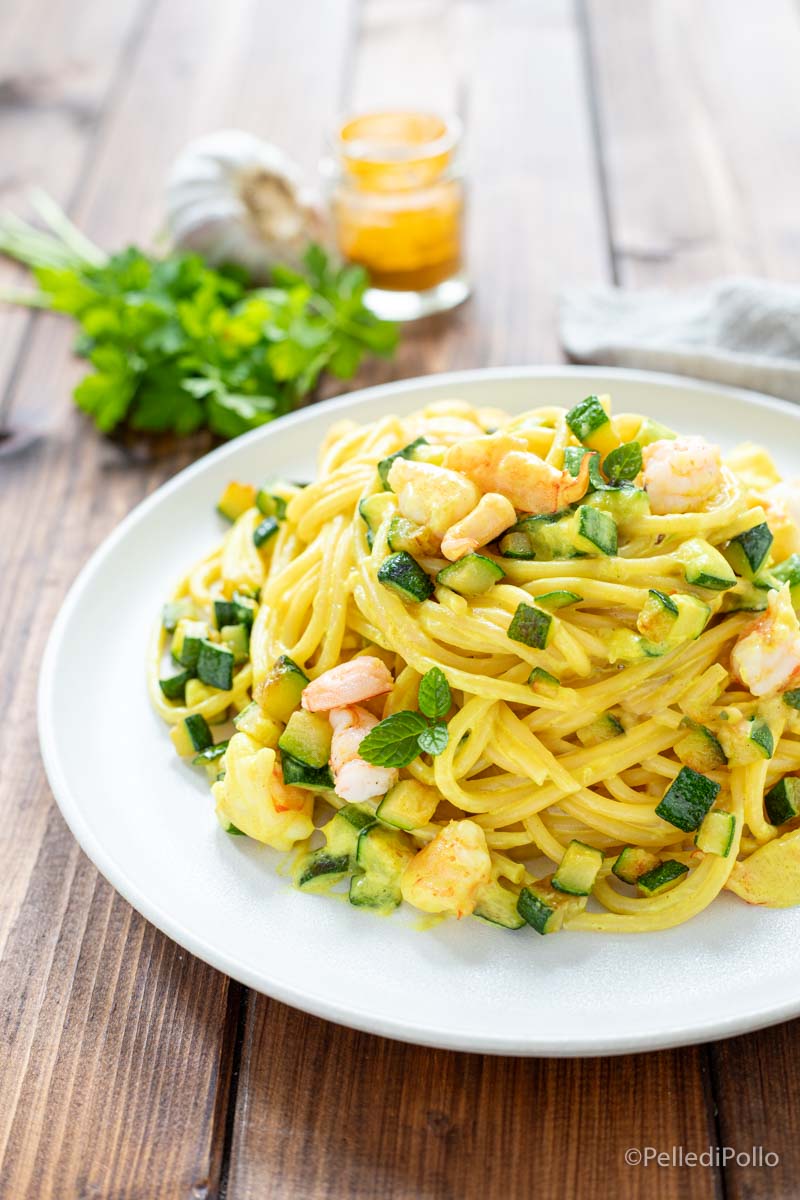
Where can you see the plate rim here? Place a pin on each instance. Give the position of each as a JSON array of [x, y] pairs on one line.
[[350, 1015]]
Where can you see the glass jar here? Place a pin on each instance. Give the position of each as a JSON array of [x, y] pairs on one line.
[[397, 202]]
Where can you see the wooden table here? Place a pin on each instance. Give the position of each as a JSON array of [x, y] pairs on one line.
[[644, 141]]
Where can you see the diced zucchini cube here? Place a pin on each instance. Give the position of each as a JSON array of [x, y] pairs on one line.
[[782, 801], [578, 869], [748, 552], [600, 730], [279, 694], [662, 878], [596, 530], [320, 870], [761, 737], [211, 754], [187, 640], [590, 424], [653, 431], [402, 574], [260, 727], [531, 626], [700, 749], [265, 530], [300, 774], [241, 610], [472, 575], [236, 499], [715, 835], [558, 599], [191, 735], [237, 639], [174, 686], [539, 907], [385, 465], [497, 905], [307, 738], [408, 805], [688, 799], [269, 504], [792, 698], [382, 855], [704, 566], [543, 682], [215, 665], [633, 862]]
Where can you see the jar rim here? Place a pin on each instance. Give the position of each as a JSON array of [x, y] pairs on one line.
[[446, 133]]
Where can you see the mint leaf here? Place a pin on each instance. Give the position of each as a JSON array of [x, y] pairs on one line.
[[624, 463], [394, 742], [434, 694], [434, 739]]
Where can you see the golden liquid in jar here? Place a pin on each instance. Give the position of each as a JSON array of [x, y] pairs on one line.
[[398, 210]]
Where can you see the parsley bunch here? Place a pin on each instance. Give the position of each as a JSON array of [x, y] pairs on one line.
[[397, 740], [175, 345]]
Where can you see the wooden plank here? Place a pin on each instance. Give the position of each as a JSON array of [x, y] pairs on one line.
[[702, 177], [697, 105], [756, 1082], [323, 1112], [118, 1046], [54, 89]]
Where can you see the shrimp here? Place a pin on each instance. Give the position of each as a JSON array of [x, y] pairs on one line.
[[782, 506], [430, 495], [766, 658], [447, 874], [354, 778], [681, 474], [502, 463], [360, 679], [491, 516]]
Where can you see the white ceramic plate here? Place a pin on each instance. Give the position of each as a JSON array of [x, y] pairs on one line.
[[146, 820]]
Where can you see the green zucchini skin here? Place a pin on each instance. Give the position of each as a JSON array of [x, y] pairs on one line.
[[472, 575], [215, 665], [402, 574], [173, 687], [748, 552], [688, 799], [531, 626], [782, 801], [662, 877], [300, 774]]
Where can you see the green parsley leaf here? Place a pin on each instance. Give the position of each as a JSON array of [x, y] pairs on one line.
[[624, 463], [176, 345], [394, 742], [434, 694], [434, 739]]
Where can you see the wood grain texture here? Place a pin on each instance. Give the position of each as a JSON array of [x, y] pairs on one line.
[[118, 1047], [697, 105], [328, 1113], [325, 1113]]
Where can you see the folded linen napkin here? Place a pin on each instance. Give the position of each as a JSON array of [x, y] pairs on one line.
[[740, 331]]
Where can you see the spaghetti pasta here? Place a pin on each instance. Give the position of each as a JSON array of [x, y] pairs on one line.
[[617, 672]]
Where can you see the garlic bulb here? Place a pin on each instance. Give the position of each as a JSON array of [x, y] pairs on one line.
[[234, 198]]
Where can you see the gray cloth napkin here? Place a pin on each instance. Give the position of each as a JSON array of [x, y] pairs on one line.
[[744, 332]]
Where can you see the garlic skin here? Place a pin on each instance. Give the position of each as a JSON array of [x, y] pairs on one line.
[[232, 197]]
